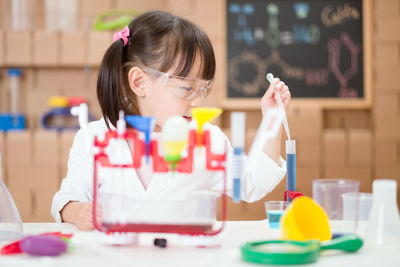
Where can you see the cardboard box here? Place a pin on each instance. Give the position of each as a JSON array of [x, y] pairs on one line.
[[207, 18], [386, 8], [98, 43], [388, 172], [19, 178], [4, 99], [387, 53], [33, 178], [386, 78], [46, 48], [305, 122], [387, 128], [359, 119], [385, 30], [19, 148], [180, 7], [61, 80], [1, 47], [308, 152], [73, 48], [65, 143], [24, 203], [18, 47], [42, 207], [386, 153], [334, 119], [45, 148], [360, 144], [305, 176], [386, 103], [334, 147], [140, 5], [3, 154], [362, 174], [93, 8], [45, 178]]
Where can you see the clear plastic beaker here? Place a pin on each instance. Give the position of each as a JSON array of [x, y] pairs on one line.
[[274, 210], [10, 220], [356, 211], [328, 193]]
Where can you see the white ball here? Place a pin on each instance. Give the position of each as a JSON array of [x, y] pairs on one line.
[[175, 128]]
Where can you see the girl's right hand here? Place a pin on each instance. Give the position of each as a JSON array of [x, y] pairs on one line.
[[80, 214], [85, 216]]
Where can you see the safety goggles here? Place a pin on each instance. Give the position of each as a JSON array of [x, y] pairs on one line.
[[182, 87]]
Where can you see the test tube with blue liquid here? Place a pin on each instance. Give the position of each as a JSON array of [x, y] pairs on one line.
[[238, 125], [291, 165]]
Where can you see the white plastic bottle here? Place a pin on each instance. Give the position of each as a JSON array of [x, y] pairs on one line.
[[383, 230]]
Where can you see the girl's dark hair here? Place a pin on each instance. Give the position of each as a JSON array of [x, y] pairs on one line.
[[157, 39]]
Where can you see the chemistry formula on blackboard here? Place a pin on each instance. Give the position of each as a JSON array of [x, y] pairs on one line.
[[314, 46]]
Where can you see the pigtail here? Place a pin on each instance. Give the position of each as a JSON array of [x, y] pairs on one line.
[[111, 85]]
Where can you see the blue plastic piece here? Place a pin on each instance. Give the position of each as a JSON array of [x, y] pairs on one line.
[[14, 72], [64, 111], [12, 122], [145, 125]]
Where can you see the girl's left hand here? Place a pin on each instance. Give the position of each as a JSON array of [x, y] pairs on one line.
[[268, 100]]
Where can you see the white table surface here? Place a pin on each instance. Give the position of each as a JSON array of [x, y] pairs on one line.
[[88, 251]]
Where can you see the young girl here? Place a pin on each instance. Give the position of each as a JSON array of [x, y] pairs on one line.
[[160, 65]]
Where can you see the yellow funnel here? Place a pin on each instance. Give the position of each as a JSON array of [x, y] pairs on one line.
[[303, 220], [203, 115], [174, 147]]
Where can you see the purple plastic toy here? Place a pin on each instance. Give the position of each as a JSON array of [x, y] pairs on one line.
[[42, 245]]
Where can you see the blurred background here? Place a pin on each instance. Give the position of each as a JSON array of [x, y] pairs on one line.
[[49, 59]]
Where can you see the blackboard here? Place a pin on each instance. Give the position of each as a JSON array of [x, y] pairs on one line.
[[318, 47]]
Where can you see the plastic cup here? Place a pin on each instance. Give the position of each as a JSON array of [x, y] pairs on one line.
[[357, 206], [274, 210], [356, 211], [328, 193]]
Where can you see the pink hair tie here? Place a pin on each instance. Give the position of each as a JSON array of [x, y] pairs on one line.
[[124, 34]]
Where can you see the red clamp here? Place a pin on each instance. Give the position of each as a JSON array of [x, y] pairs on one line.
[[292, 195]]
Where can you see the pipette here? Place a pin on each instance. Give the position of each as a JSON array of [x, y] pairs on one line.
[[270, 78]]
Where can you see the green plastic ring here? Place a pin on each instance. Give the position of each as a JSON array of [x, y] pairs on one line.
[[123, 18]]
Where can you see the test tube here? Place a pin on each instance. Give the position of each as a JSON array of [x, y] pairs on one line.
[[61, 14], [291, 164], [121, 128], [19, 15], [14, 75], [238, 126]]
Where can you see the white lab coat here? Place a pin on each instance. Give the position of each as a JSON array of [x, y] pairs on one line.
[[78, 183]]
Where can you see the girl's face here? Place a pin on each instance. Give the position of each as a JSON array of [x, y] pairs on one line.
[[161, 97]]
